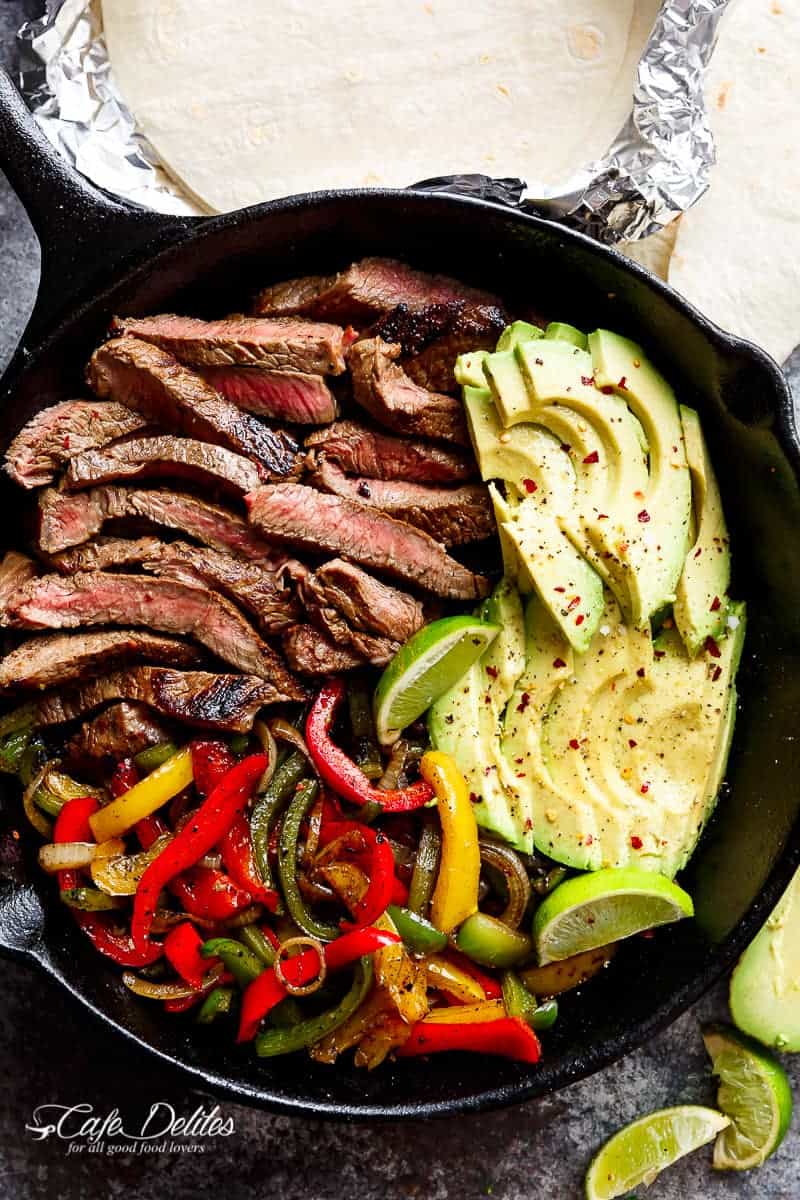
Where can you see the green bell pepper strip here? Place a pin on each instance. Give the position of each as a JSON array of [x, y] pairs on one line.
[[260, 945], [267, 808], [239, 744], [489, 942], [520, 1002], [19, 719], [243, 964], [12, 750], [423, 879], [153, 756], [216, 1004], [299, 805], [417, 933], [272, 1042], [89, 899], [545, 1016], [365, 741], [32, 760]]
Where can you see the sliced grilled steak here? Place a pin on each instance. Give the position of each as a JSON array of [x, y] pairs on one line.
[[280, 395], [182, 458], [309, 652], [94, 598], [67, 519], [454, 516], [366, 288], [56, 434], [51, 660], [433, 337], [386, 392], [196, 697], [378, 651], [121, 731], [152, 382], [106, 553], [302, 516], [279, 344], [362, 451], [15, 571], [365, 602]]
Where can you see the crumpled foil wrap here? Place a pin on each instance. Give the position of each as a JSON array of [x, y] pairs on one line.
[[656, 168]]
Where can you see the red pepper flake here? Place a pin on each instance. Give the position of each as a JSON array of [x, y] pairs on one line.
[[638, 495], [643, 516], [530, 486], [558, 663], [659, 653], [559, 589], [607, 390], [715, 674], [574, 602], [712, 648], [602, 516], [636, 842], [592, 458], [587, 380], [528, 823], [640, 672], [698, 551], [623, 383], [715, 604], [588, 840], [574, 744], [644, 789], [474, 798], [579, 619], [524, 701], [565, 446], [632, 743], [492, 672], [65, 442]]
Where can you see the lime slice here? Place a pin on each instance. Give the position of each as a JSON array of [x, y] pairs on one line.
[[427, 666], [605, 906], [754, 1092], [641, 1151]]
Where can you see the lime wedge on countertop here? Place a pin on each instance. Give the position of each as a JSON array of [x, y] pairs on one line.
[[640, 1152], [605, 906], [427, 666], [754, 1091]]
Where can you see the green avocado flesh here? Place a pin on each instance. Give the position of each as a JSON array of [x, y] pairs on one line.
[[765, 986], [581, 732]]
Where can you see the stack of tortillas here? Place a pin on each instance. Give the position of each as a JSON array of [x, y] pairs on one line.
[[248, 101]]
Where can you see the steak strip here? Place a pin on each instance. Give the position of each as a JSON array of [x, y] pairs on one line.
[[15, 570], [280, 395], [310, 652], [54, 659], [453, 516], [56, 434], [225, 702], [153, 383], [364, 601], [301, 516], [144, 458], [277, 344], [123, 730], [433, 337], [53, 602], [362, 451], [382, 388]]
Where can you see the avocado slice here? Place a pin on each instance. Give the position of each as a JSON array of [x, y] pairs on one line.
[[468, 370], [665, 511], [765, 986], [518, 331], [701, 603], [560, 331], [466, 722]]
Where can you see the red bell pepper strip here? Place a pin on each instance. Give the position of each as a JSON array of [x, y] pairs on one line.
[[261, 996], [117, 946], [187, 1002], [377, 861], [339, 771], [508, 1037], [206, 892], [149, 830], [236, 849], [211, 762], [182, 950], [399, 893], [124, 777], [490, 985], [205, 828], [72, 825]]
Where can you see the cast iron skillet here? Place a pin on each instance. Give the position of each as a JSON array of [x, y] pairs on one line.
[[101, 257]]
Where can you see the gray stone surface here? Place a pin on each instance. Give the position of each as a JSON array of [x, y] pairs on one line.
[[53, 1053]]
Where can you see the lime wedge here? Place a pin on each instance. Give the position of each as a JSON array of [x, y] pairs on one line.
[[754, 1092], [641, 1151], [605, 906], [427, 666]]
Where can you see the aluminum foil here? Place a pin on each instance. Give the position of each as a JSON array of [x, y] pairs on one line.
[[657, 167]]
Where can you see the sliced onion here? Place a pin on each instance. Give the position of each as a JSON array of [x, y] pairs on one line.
[[212, 861], [172, 990], [264, 735], [285, 732], [295, 989], [246, 917], [37, 819], [66, 856], [117, 873], [503, 859], [390, 779]]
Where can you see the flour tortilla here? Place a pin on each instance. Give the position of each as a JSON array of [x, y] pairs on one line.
[[248, 100], [737, 256], [654, 252]]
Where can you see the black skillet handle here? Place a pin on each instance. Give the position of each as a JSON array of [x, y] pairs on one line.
[[84, 233], [22, 916]]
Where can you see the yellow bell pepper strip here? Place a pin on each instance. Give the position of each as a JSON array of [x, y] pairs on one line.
[[455, 896], [446, 977], [144, 798], [457, 1014]]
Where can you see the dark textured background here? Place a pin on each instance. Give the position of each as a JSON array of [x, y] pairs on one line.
[[53, 1053]]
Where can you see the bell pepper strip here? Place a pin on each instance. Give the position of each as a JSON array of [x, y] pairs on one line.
[[217, 1003], [116, 946], [243, 964], [149, 830], [339, 771], [267, 990], [377, 862], [209, 982], [469, 1014], [418, 934], [209, 894], [508, 1037], [455, 896], [426, 865], [236, 848], [210, 823], [489, 942], [256, 940], [272, 1042], [153, 756], [211, 762], [144, 797], [72, 825], [299, 805], [399, 893], [445, 977], [89, 899], [490, 985], [124, 778], [182, 950], [365, 742], [268, 807]]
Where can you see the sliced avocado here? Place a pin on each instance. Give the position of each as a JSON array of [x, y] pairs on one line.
[[559, 331], [519, 331], [466, 721], [701, 604], [765, 986], [664, 514], [468, 370], [514, 568]]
